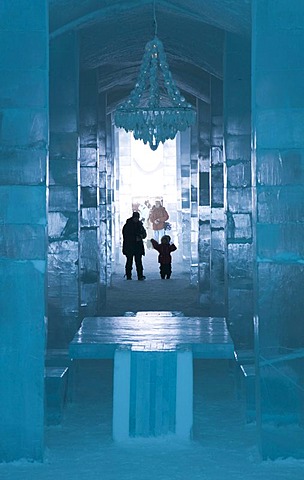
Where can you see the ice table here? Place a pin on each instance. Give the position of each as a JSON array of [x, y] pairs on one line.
[[153, 366]]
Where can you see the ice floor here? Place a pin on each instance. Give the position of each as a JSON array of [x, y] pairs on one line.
[[223, 445]]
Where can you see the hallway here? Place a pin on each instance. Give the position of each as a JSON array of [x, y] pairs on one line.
[[216, 86]]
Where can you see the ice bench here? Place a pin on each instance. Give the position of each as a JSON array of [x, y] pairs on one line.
[[150, 398]]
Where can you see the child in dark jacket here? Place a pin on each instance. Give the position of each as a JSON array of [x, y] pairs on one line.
[[164, 258]]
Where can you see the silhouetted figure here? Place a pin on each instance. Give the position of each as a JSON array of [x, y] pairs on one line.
[[164, 258], [133, 233], [158, 216]]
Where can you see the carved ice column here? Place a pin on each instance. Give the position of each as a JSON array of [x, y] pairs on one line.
[[278, 166], [23, 222], [102, 196], [278, 126], [204, 224], [110, 197], [217, 216], [194, 225], [238, 193], [63, 293], [183, 144], [89, 240], [212, 241], [106, 192], [116, 203]]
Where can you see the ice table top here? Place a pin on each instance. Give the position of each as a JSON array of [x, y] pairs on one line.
[[99, 337]]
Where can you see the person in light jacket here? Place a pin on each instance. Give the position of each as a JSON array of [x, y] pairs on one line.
[[158, 216]]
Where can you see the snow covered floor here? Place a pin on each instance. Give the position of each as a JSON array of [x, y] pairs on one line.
[[153, 294], [223, 446]]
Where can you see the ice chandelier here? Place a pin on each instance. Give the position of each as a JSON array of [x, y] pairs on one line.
[[158, 116]]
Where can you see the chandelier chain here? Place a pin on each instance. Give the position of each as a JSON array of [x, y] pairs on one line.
[[154, 18]]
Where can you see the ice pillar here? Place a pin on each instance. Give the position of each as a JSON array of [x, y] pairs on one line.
[[204, 238], [194, 192], [217, 214], [278, 128], [111, 218], [106, 178], [23, 165], [183, 147], [278, 141], [238, 193], [91, 295], [211, 241], [64, 190], [117, 196]]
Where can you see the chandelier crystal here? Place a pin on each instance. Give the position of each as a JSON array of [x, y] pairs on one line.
[[155, 109]]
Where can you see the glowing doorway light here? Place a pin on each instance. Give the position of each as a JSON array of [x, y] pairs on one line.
[[147, 169]]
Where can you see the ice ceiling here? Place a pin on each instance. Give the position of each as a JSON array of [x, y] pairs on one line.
[[113, 34]]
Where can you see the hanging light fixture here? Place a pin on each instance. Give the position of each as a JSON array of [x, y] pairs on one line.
[[155, 109]]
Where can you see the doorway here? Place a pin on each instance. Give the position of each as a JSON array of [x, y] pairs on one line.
[[144, 177]]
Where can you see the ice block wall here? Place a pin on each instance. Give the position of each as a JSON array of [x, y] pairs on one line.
[[217, 212], [63, 293], [91, 292], [106, 195], [183, 172], [278, 140], [23, 167], [193, 194], [117, 197], [111, 217], [211, 217], [278, 113], [203, 244], [238, 191]]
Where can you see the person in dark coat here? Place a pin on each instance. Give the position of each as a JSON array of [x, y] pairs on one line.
[[133, 233], [164, 258]]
